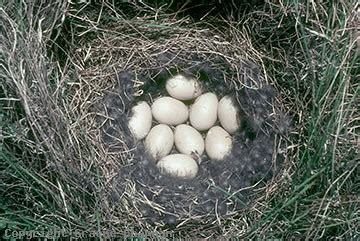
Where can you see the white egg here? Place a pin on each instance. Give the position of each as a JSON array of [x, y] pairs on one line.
[[228, 115], [160, 141], [188, 140], [183, 88], [178, 165], [203, 113], [141, 120], [170, 111], [218, 143]]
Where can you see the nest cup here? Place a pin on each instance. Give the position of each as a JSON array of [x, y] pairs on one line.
[[134, 67]]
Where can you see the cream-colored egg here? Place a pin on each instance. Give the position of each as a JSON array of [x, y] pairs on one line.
[[188, 140], [160, 141], [218, 143], [170, 111], [141, 120], [183, 88], [178, 165], [203, 113], [228, 115]]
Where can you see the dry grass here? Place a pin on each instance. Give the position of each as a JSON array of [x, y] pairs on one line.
[[55, 83]]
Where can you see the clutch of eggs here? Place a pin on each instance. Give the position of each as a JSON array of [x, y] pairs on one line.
[[192, 129]]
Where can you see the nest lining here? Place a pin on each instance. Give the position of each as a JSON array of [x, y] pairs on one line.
[[219, 188]]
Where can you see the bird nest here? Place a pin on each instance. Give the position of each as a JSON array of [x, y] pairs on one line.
[[83, 121], [127, 68]]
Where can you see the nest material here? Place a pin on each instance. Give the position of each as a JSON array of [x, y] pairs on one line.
[[129, 65], [82, 121]]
